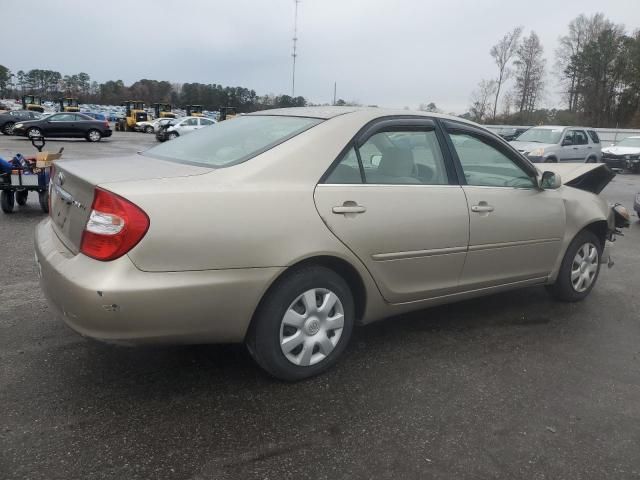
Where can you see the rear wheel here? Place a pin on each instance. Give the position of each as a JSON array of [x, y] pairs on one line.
[[7, 201], [551, 160], [579, 269], [8, 128], [94, 136], [303, 325], [21, 197], [43, 199]]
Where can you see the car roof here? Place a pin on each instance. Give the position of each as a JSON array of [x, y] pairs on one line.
[[558, 127], [371, 113]]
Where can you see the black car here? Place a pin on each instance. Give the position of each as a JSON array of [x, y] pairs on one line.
[[9, 119], [70, 125]]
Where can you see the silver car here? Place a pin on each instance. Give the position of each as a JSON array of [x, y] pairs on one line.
[[552, 144], [283, 229]]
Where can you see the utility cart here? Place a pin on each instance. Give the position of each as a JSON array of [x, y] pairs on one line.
[[32, 176]]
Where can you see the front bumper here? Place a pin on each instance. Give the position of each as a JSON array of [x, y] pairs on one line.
[[535, 159], [116, 302]]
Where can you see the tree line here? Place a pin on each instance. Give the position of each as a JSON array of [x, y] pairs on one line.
[[52, 85], [597, 65]]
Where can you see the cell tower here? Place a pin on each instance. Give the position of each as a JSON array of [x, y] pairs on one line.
[[295, 45]]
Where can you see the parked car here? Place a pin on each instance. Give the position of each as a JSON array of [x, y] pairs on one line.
[[10, 118], [508, 133], [152, 126], [554, 144], [624, 154], [309, 221], [182, 126], [70, 125]]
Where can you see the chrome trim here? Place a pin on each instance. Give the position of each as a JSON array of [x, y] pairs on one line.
[[382, 257], [385, 185], [490, 246]]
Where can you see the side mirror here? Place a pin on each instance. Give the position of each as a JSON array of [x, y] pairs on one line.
[[567, 141], [550, 181]]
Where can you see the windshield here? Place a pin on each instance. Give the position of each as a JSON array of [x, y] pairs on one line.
[[232, 141], [629, 142], [541, 135]]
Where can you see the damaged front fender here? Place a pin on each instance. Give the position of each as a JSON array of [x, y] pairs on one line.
[[590, 177]]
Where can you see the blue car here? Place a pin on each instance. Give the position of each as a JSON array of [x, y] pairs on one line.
[[97, 116]]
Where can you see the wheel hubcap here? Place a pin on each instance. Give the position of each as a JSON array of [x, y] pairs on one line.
[[311, 327], [584, 267], [94, 136]]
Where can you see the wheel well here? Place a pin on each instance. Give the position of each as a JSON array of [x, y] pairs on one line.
[[553, 158], [338, 265], [599, 229]]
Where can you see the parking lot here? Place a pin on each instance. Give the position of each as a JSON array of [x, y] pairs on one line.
[[513, 385]]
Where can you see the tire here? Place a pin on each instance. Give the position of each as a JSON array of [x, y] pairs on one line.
[[551, 160], [313, 346], [592, 159], [43, 199], [8, 128], [93, 135], [34, 132], [172, 135], [566, 288], [21, 197], [148, 129], [7, 201]]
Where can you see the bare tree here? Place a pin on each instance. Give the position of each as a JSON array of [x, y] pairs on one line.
[[481, 100], [502, 53], [428, 107], [582, 30], [530, 70]]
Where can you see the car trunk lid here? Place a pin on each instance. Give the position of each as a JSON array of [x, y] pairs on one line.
[[74, 181], [591, 177]]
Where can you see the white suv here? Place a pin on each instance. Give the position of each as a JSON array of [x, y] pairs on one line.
[[559, 144]]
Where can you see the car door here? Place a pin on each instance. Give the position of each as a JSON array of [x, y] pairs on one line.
[[205, 122], [394, 200], [516, 229], [188, 125], [581, 145], [570, 150], [58, 125]]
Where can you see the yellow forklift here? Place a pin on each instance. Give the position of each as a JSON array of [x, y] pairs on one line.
[[226, 113], [163, 110], [194, 111], [69, 104], [135, 113], [32, 102]]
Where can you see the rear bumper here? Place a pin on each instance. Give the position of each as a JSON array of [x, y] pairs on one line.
[[107, 133], [116, 302]]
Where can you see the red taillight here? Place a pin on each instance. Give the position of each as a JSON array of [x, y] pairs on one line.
[[114, 227], [106, 124]]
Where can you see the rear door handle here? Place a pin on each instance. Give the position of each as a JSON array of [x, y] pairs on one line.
[[349, 207], [481, 208]]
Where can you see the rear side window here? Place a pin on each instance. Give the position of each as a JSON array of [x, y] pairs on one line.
[[232, 142], [347, 171], [579, 137], [594, 136]]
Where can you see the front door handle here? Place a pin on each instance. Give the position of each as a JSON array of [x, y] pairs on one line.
[[482, 208], [349, 207]]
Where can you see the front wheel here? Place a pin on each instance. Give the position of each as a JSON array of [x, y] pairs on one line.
[[7, 201], [21, 197], [8, 128], [303, 325], [34, 132], [148, 129], [172, 135], [579, 269]]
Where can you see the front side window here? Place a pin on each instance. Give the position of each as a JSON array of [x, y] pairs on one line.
[[396, 157], [190, 122], [486, 166], [229, 143]]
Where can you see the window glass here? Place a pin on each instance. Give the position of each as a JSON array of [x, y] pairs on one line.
[[206, 121], [190, 122], [541, 135], [347, 170], [62, 117], [403, 157], [485, 165], [594, 136], [579, 137]]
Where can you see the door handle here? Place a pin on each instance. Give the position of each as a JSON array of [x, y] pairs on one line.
[[575, 148], [349, 207], [482, 208]]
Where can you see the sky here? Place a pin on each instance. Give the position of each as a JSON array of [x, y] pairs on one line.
[[392, 53]]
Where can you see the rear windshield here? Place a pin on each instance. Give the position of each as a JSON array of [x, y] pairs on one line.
[[232, 141]]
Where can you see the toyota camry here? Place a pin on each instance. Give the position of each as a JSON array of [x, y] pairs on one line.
[[283, 229]]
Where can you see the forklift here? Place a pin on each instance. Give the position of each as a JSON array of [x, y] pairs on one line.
[[135, 113], [33, 103], [69, 104], [194, 111], [163, 110], [226, 113]]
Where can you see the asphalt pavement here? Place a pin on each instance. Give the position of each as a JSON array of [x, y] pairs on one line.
[[509, 386]]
